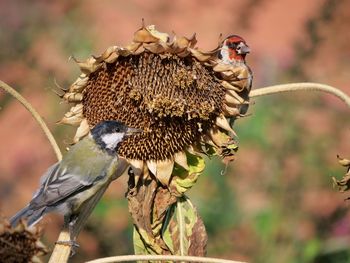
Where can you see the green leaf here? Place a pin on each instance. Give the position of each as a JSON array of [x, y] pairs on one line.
[[139, 246], [196, 163], [183, 179], [184, 232], [143, 244]]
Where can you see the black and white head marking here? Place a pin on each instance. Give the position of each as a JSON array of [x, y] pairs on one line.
[[109, 134], [112, 140], [233, 50]]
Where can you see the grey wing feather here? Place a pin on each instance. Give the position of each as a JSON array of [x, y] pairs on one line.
[[61, 184], [52, 169]]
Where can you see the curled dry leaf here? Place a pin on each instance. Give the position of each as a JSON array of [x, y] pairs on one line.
[[148, 203]]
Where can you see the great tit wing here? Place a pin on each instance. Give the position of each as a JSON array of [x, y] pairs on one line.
[[71, 177], [51, 170]]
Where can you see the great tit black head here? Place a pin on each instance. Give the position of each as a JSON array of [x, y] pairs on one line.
[[109, 134]]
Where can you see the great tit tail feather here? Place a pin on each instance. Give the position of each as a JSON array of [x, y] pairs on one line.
[[31, 216], [17, 217]]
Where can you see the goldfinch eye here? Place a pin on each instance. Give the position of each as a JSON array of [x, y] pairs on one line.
[[232, 45]]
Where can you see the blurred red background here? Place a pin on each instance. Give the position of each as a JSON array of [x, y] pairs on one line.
[[276, 202]]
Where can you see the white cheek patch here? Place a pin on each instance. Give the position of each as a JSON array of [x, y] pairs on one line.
[[112, 139]]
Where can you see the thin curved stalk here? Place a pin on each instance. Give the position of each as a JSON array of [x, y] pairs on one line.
[[35, 115], [61, 252], [129, 258], [302, 86]]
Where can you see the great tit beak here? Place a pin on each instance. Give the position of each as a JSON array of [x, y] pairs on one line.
[[243, 49], [131, 131]]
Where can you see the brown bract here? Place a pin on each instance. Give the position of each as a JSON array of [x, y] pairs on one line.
[[178, 95]]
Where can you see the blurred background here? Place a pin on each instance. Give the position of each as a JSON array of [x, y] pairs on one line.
[[275, 203]]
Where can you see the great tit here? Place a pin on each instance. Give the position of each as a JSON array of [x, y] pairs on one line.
[[77, 182]]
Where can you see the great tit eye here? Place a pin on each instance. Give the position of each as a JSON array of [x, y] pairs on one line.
[[117, 130]]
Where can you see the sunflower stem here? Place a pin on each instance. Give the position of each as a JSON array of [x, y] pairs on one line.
[[61, 252], [302, 86]]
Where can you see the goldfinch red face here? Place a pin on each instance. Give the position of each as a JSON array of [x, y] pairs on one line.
[[233, 50]]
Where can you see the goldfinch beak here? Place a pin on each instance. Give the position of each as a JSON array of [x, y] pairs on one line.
[[243, 49]]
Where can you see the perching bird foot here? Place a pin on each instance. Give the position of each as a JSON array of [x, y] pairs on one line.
[[73, 244]]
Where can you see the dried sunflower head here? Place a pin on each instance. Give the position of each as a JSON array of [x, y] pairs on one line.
[[180, 96], [20, 244]]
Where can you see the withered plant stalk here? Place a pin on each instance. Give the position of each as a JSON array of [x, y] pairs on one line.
[[302, 86], [35, 115]]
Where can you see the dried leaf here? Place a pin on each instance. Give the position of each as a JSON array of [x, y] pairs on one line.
[[146, 203], [184, 232], [145, 244], [139, 245]]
